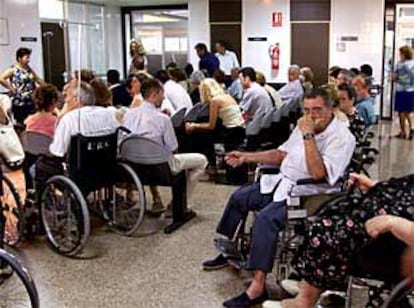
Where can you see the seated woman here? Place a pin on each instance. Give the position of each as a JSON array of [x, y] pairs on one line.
[[221, 107], [43, 122], [325, 258]]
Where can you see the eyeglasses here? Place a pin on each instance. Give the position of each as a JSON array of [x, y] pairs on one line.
[[317, 110]]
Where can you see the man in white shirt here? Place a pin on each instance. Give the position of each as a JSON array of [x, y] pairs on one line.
[[319, 148], [293, 89], [89, 120], [148, 121], [176, 95], [255, 98], [84, 118], [228, 60]]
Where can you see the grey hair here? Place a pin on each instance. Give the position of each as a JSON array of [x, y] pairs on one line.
[[295, 67], [197, 76], [85, 94]]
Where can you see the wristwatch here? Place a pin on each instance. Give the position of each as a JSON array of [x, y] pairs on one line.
[[308, 136]]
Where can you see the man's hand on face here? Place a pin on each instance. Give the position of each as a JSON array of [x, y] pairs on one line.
[[306, 125]]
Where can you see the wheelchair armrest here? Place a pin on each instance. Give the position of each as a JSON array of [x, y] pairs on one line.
[[123, 130], [268, 169], [311, 181]]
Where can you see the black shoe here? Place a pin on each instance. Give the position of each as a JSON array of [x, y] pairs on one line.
[[219, 262], [244, 301]]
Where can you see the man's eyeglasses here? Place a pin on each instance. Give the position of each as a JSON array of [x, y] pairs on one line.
[[317, 110]]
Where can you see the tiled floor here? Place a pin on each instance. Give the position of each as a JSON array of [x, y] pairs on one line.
[[164, 270]]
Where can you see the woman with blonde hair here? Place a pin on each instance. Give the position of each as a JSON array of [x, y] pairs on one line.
[[222, 108]]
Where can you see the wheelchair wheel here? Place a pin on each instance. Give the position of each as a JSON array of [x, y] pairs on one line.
[[17, 288], [124, 203], [13, 213], [65, 216]]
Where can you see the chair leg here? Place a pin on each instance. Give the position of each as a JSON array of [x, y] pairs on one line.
[[181, 214]]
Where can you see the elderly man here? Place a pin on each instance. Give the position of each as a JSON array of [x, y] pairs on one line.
[[364, 103], [83, 117], [148, 121], [319, 148], [293, 89], [255, 98]]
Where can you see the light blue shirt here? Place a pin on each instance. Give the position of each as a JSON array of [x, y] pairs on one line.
[[236, 90], [255, 99], [405, 76], [365, 108], [149, 122], [291, 90]]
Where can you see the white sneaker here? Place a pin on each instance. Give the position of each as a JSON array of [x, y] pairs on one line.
[[290, 286], [272, 304]]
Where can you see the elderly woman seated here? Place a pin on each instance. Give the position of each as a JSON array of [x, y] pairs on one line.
[[325, 258]]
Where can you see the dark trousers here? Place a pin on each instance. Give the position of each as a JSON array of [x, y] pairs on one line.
[[269, 221]]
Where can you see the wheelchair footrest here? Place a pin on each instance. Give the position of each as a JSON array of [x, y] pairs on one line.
[[226, 247]]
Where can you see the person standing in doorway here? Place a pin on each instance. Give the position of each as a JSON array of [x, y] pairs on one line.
[[21, 81], [404, 95], [228, 60]]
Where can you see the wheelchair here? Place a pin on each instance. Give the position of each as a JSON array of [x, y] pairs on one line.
[[92, 179]]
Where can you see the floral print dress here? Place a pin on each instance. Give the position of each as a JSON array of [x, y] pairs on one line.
[[23, 81], [324, 259]]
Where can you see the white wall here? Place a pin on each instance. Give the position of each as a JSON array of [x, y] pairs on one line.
[[257, 22], [23, 20], [365, 20], [198, 27], [114, 38]]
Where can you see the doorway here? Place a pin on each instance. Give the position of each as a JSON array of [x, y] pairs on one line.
[[54, 60], [399, 31]]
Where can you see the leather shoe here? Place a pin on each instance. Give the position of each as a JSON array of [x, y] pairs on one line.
[[243, 300]]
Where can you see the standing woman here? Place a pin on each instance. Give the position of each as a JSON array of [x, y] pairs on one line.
[[404, 95], [21, 81], [139, 59]]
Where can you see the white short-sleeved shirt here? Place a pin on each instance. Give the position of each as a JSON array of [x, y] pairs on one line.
[[93, 121], [227, 61], [336, 145], [255, 99], [291, 90], [178, 97], [149, 122]]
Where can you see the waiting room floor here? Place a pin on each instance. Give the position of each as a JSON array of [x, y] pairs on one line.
[[165, 270]]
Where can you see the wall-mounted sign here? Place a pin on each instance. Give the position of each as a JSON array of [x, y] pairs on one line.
[[257, 39], [349, 38], [28, 39], [277, 19]]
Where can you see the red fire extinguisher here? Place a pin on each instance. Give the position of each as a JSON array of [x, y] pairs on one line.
[[274, 53]]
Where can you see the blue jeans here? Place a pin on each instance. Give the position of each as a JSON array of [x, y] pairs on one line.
[[269, 221]]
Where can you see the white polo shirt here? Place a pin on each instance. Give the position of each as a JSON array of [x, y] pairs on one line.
[[178, 97], [92, 121], [336, 145], [227, 61], [149, 122]]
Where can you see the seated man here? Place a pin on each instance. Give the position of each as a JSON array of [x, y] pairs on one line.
[[85, 118], [365, 103], [255, 98], [293, 89], [319, 148], [148, 121]]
